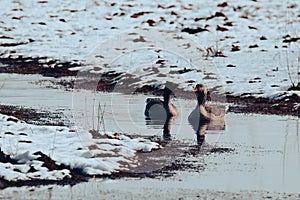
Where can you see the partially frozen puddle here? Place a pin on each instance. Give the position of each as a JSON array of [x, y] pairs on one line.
[[266, 148]]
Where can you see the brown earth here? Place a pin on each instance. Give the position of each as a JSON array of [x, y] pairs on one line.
[[40, 65], [33, 116]]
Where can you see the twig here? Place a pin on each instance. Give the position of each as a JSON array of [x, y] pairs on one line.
[[102, 118], [289, 68], [98, 117]]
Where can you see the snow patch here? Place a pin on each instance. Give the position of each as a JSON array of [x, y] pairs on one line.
[[63, 146]]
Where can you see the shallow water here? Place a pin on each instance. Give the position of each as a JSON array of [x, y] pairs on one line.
[[266, 156]]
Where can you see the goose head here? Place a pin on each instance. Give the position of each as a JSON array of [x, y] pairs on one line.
[[168, 92], [201, 93]]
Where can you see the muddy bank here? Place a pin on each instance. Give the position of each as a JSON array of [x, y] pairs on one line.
[[34, 116], [38, 65], [168, 161], [288, 105]]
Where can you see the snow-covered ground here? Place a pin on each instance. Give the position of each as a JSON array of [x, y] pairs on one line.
[[258, 38], [104, 155]]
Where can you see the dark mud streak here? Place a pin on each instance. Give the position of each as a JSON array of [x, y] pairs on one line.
[[260, 105], [12, 44], [77, 176], [39, 65], [32, 116], [37, 182]]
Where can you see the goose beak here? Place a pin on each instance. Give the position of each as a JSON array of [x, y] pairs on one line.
[[196, 89]]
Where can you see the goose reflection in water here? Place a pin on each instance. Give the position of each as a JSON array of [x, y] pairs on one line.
[[205, 117], [160, 112]]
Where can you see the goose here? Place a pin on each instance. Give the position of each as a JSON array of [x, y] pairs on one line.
[[205, 117], [157, 109], [162, 112]]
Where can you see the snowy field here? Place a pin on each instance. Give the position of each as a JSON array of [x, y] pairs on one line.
[[259, 39]]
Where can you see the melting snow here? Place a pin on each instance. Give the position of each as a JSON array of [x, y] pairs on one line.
[[102, 156]]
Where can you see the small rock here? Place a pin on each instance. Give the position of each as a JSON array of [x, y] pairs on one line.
[[62, 20], [230, 65], [229, 24], [252, 27], [235, 48], [263, 38], [42, 23], [151, 22], [253, 46], [222, 29], [220, 14], [223, 4], [194, 30]]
